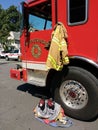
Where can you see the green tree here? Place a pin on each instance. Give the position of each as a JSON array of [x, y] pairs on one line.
[[12, 18], [9, 21]]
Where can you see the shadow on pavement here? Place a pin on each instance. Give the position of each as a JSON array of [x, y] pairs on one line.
[[40, 92]]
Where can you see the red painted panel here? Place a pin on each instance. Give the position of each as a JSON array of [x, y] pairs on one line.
[[82, 38], [35, 50], [16, 74]]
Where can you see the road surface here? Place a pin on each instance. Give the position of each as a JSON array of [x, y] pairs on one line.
[[17, 101]]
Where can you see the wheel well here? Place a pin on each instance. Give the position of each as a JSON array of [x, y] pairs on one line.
[[73, 62], [85, 65]]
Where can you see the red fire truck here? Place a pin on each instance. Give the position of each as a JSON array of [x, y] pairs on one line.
[[75, 87]]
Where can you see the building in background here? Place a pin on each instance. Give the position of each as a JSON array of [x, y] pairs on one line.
[[14, 39]]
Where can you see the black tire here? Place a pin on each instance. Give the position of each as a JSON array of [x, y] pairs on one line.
[[19, 59], [7, 59], [77, 92]]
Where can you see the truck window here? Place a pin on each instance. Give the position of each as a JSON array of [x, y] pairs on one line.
[[77, 11], [40, 16], [38, 23]]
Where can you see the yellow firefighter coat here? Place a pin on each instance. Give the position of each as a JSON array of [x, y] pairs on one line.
[[58, 53]]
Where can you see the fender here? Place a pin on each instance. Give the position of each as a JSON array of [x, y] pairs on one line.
[[85, 60]]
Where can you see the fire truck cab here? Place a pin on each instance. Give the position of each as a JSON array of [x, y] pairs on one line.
[[75, 87]]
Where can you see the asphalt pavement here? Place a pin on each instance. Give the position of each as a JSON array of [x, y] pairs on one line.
[[17, 101]]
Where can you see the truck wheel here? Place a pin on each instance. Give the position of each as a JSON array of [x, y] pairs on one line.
[[77, 92], [6, 58], [19, 59]]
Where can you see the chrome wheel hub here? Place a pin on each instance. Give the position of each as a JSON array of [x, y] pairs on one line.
[[73, 94]]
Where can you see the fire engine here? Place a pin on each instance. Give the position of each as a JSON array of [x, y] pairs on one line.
[[75, 87]]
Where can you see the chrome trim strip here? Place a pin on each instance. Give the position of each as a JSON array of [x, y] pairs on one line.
[[34, 65]]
